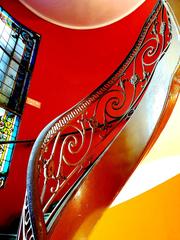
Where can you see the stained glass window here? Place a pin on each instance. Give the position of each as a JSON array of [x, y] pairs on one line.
[[18, 48], [9, 124]]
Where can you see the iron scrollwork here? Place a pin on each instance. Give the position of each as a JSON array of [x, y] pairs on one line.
[[88, 124], [26, 229]]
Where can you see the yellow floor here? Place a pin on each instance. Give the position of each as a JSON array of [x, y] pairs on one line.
[[154, 215]]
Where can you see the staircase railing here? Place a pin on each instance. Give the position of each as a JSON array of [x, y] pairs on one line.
[[72, 144]]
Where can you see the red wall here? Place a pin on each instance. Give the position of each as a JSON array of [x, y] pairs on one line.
[[69, 65]]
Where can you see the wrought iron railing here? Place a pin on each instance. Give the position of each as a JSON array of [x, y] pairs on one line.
[[71, 144]]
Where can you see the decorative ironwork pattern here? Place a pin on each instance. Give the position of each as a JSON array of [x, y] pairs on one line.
[[26, 230], [69, 145], [87, 125]]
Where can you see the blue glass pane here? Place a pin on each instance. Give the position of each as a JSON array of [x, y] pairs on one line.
[[6, 167]]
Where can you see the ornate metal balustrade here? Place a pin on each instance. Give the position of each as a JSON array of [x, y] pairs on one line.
[[74, 142]]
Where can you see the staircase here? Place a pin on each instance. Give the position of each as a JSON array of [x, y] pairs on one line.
[[72, 175]]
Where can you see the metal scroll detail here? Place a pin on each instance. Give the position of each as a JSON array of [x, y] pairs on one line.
[[77, 138], [26, 229]]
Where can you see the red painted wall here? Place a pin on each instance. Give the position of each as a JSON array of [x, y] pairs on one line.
[[69, 65]]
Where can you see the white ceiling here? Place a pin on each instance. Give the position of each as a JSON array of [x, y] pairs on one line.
[[82, 14]]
